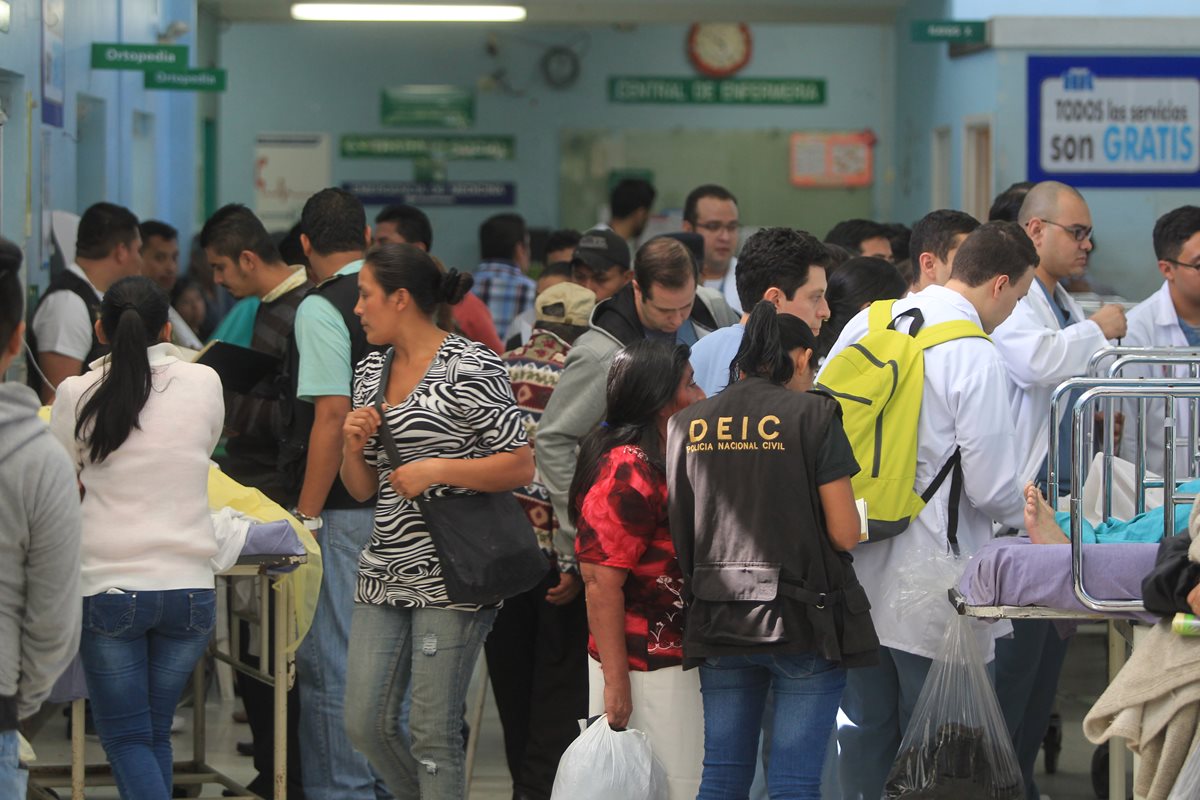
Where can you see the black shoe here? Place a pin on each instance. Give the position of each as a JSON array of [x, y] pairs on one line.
[[245, 749]]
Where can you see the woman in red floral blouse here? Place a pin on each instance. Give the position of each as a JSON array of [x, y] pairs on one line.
[[633, 582]]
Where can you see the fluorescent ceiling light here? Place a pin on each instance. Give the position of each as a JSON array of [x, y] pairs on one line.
[[405, 12]]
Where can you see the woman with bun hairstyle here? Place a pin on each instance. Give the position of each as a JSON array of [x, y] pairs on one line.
[[762, 515], [140, 426], [449, 405]]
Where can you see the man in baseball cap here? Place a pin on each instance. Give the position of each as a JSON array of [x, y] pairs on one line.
[[601, 263]]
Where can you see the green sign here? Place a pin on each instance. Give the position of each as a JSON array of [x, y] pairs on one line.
[[735, 91], [448, 148], [188, 80], [949, 30], [427, 106], [139, 56]]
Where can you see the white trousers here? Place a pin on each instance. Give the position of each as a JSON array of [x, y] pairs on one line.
[[668, 709]]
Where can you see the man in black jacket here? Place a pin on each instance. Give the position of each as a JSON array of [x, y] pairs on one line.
[[107, 248]]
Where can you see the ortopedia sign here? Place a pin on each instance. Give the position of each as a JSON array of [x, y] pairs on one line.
[[139, 56], [188, 80], [1111, 121]]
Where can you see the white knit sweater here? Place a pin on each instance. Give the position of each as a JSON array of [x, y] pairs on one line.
[[146, 523]]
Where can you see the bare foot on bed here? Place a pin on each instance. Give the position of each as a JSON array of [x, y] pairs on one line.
[[1039, 519]]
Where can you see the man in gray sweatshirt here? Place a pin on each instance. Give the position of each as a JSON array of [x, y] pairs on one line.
[[39, 543]]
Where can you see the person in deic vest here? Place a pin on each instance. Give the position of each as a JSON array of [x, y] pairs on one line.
[[762, 514]]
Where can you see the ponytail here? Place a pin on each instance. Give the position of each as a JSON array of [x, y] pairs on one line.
[[767, 344], [132, 313]]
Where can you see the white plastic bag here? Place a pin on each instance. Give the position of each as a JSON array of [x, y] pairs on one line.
[[603, 764], [1187, 785]]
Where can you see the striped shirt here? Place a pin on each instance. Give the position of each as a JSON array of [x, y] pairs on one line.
[[462, 408]]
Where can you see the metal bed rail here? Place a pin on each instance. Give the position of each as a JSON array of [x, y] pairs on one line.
[[1091, 393], [1178, 363]]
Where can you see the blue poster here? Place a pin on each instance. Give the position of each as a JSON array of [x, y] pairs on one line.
[[1113, 121]]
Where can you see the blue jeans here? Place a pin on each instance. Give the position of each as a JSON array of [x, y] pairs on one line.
[[138, 651], [332, 769], [806, 690], [831, 784], [879, 702], [13, 777], [1027, 670], [431, 651]]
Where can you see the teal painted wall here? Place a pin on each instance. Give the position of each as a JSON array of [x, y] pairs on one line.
[[51, 162], [935, 90], [313, 77]]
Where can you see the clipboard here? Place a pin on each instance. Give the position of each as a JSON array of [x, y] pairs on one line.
[[240, 368]]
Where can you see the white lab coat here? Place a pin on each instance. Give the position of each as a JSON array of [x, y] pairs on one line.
[[964, 405], [1040, 355], [1154, 323]]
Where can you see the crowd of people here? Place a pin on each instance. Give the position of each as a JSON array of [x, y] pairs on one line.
[[651, 405]]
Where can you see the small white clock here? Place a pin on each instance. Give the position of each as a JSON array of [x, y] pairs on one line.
[[719, 49]]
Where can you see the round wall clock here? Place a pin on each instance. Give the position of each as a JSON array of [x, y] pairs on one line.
[[719, 49], [560, 67]]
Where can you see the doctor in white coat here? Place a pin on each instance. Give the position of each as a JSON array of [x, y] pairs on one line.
[[1045, 342], [964, 406], [1168, 318], [1040, 349]]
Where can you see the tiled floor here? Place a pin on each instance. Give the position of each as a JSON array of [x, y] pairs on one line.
[[1083, 680]]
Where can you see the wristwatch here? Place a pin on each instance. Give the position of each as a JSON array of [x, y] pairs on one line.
[[312, 523]]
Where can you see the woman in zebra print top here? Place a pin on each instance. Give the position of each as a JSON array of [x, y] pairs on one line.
[[449, 405]]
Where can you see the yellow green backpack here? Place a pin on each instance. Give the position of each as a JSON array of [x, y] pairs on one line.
[[879, 382]]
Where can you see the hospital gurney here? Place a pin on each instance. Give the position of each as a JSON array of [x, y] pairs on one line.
[[1122, 604], [196, 771], [295, 594]]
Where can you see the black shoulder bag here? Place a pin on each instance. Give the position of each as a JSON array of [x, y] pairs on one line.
[[484, 541]]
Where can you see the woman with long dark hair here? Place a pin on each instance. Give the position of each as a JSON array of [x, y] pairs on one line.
[[449, 407], [762, 512], [856, 284], [141, 426], [618, 504]]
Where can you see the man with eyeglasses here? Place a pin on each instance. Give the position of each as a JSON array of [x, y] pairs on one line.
[[1168, 318], [1046, 341], [712, 212]]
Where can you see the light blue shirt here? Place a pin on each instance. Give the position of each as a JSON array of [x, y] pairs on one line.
[[324, 345], [1145, 527], [711, 356], [1191, 334], [238, 325]]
